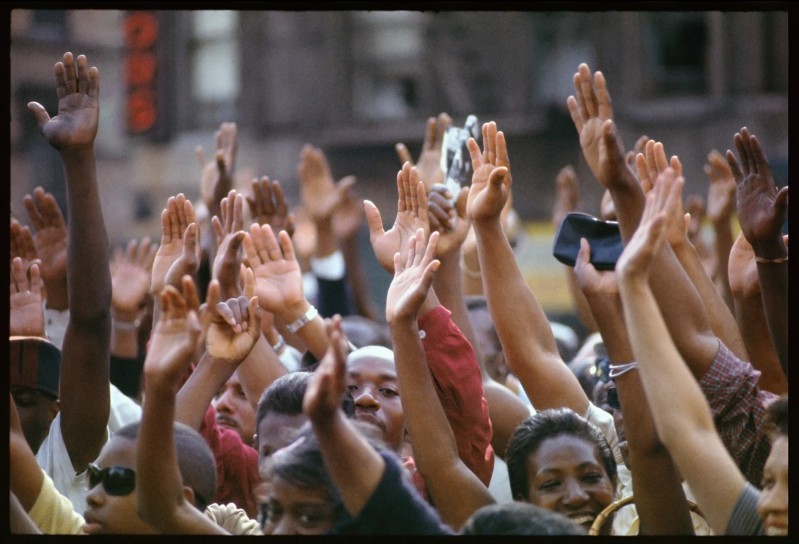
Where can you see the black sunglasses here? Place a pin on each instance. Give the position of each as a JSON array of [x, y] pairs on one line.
[[117, 481], [613, 399]]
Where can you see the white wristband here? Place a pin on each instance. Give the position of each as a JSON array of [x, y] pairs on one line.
[[618, 370], [280, 344], [303, 320]]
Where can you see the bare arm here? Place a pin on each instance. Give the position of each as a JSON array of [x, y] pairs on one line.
[[455, 490], [681, 413], [85, 363], [659, 497], [720, 205], [521, 324], [160, 495]]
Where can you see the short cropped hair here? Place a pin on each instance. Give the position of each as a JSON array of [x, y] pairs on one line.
[[285, 396], [519, 518], [195, 460], [533, 431], [777, 415]]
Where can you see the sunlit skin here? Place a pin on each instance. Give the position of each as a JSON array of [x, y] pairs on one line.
[[234, 411], [772, 504], [372, 382], [108, 514], [566, 475], [276, 431], [293, 510]]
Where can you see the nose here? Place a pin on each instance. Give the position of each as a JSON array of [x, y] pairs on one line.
[[365, 399], [285, 526], [773, 500], [222, 402], [96, 496], [574, 495]]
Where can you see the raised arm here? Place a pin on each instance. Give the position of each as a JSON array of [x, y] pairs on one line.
[[682, 417], [429, 163], [84, 391], [720, 207], [161, 497], [521, 324], [455, 490], [659, 497], [131, 271], [26, 317], [217, 174], [602, 147], [50, 244], [761, 213]]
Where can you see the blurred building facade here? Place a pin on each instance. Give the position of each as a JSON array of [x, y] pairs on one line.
[[356, 83]]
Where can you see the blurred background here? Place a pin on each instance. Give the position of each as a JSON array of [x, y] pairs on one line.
[[355, 83]]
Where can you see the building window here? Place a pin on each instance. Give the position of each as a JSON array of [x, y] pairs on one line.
[[215, 75], [677, 47], [49, 25]]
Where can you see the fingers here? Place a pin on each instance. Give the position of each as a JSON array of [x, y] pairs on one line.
[[286, 246], [403, 154], [247, 277], [604, 106], [474, 153], [574, 112], [759, 158], [373, 220], [190, 294], [735, 167]]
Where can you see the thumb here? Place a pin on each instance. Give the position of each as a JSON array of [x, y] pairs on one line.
[[686, 221], [374, 220], [403, 154], [781, 202], [344, 184], [497, 178], [40, 113], [584, 253], [254, 309], [460, 202]]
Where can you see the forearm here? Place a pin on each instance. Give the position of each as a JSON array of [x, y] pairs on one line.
[[259, 369], [608, 312], [723, 246], [357, 279], [752, 323], [774, 289], [197, 393], [313, 334], [721, 319], [354, 466], [57, 294], [124, 335], [628, 202], [581, 305], [522, 326]]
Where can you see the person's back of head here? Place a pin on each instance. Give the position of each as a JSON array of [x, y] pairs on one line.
[[519, 518], [195, 460]]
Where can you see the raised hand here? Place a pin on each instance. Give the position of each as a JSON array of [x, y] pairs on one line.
[[320, 194], [131, 271], [411, 215], [652, 162], [323, 397], [278, 279], [179, 252], [348, 216], [450, 220], [491, 181], [26, 317], [592, 115], [50, 238], [429, 163], [173, 339], [229, 235], [234, 326], [217, 175], [568, 194], [21, 242], [268, 205], [636, 260], [721, 194], [78, 90], [761, 206], [412, 278]]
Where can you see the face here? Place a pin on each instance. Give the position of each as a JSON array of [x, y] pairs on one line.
[[276, 431], [234, 411], [372, 382], [772, 505], [293, 510], [37, 410], [109, 514], [566, 475]]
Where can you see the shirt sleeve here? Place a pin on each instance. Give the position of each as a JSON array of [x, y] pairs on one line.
[[459, 384], [394, 508], [739, 411], [236, 465], [53, 513], [744, 519]]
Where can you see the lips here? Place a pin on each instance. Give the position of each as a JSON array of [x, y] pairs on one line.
[[225, 421], [585, 519], [368, 417], [92, 526], [775, 527]]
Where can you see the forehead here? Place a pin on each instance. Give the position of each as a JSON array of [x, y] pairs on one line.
[[288, 494], [118, 452], [366, 368], [276, 430], [234, 380], [563, 452], [778, 456]]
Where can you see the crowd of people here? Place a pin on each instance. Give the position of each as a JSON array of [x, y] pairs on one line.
[[235, 378]]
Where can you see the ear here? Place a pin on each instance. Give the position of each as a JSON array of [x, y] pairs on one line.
[[188, 494], [53, 410]]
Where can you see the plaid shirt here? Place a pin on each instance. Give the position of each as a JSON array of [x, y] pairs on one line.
[[739, 409]]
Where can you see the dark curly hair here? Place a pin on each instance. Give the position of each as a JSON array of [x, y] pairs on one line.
[[533, 431]]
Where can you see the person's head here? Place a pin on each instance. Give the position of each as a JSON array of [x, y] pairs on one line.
[[519, 518], [372, 382], [34, 372], [487, 339], [362, 331], [233, 410], [111, 501], [559, 461], [772, 504], [279, 415]]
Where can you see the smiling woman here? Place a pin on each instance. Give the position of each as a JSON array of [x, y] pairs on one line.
[[561, 462]]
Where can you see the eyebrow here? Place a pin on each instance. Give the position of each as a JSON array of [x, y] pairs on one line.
[[382, 377], [589, 464]]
